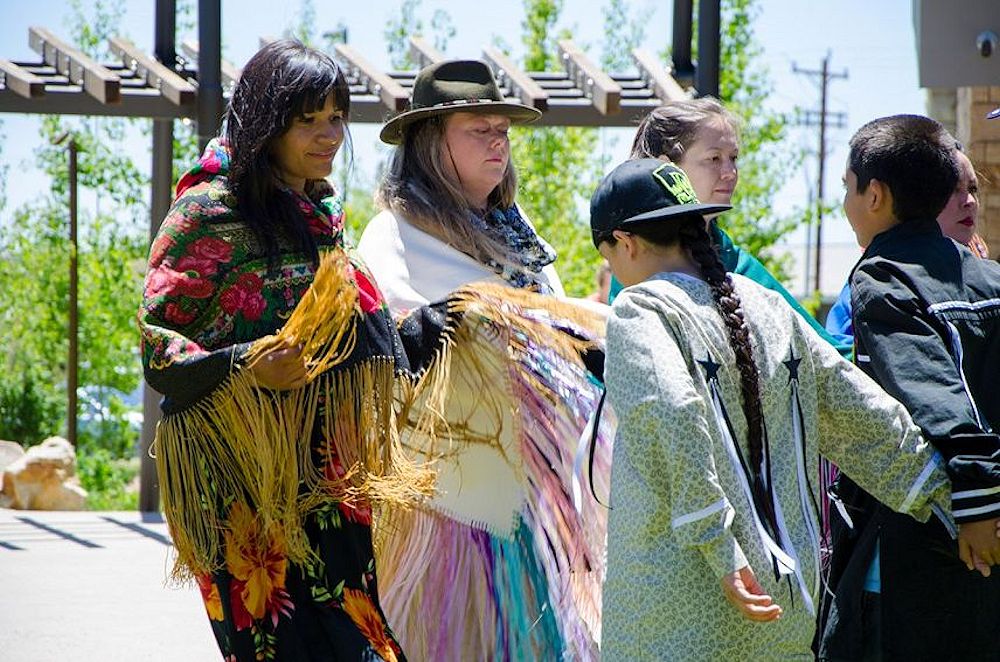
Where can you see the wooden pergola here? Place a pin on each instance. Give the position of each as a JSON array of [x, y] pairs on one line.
[[166, 85], [65, 81]]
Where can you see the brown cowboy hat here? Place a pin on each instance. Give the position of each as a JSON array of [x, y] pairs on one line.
[[455, 86]]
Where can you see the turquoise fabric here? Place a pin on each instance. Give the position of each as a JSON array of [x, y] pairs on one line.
[[738, 261], [873, 578]]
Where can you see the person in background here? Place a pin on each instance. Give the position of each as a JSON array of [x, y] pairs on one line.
[[449, 214], [500, 564], [958, 220], [603, 291], [701, 137]]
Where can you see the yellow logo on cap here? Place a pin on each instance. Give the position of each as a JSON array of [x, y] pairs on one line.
[[676, 183]]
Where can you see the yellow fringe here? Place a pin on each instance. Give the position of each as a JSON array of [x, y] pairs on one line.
[[322, 321], [246, 445]]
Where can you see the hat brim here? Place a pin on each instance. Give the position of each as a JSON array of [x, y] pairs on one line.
[[392, 131], [675, 210]]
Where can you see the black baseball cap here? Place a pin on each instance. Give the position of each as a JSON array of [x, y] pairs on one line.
[[641, 190]]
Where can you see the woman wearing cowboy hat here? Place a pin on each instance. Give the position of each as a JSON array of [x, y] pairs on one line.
[[449, 215], [500, 564]]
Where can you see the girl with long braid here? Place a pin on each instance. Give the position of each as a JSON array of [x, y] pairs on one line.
[[725, 398]]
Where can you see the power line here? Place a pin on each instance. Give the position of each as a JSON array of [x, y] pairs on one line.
[[821, 118]]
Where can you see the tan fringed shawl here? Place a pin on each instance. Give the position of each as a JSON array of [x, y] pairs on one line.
[[492, 329], [509, 377], [247, 446]]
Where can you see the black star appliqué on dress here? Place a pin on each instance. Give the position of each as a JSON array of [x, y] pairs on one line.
[[793, 367], [710, 366]]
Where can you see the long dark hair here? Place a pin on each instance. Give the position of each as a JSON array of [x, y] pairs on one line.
[[690, 231], [284, 80]]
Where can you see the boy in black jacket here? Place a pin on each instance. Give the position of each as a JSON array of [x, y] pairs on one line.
[[927, 323]]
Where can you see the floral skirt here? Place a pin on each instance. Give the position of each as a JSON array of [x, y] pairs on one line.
[[263, 607]]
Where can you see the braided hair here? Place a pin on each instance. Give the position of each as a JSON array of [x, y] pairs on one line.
[[695, 238], [691, 232]]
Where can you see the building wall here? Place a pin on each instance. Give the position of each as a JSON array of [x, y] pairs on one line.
[[942, 105], [981, 138]]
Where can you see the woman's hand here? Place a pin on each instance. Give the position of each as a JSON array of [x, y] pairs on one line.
[[742, 590], [280, 369]]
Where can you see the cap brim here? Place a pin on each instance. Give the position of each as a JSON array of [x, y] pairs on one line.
[[675, 210], [392, 131]]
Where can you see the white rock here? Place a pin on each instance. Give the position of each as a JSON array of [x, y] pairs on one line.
[[44, 478], [9, 452]]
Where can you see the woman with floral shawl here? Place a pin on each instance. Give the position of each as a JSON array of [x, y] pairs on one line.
[[273, 448]]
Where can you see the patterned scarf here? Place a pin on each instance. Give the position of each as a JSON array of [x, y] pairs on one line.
[[526, 252]]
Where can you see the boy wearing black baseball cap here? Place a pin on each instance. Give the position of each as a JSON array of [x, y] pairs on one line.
[[639, 195], [725, 397]]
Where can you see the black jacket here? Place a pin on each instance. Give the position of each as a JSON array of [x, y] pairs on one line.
[[927, 329]]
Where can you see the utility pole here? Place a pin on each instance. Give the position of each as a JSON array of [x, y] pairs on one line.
[[821, 118]]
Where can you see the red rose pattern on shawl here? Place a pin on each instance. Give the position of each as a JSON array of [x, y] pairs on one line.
[[244, 297], [202, 273], [353, 509]]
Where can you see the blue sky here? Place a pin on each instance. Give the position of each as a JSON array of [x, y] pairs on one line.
[[873, 41]]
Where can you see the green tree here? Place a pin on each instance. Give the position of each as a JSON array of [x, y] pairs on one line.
[[624, 30], [407, 22], [557, 169], [34, 275], [305, 30], [3, 171], [766, 160]]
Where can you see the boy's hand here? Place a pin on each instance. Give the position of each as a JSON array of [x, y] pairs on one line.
[[743, 592], [979, 544]]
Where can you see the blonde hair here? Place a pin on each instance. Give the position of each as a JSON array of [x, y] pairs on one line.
[[417, 187]]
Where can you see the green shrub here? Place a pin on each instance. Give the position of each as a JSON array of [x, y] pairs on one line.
[[30, 409], [106, 479], [106, 425]]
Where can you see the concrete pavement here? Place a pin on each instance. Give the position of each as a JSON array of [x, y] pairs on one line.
[[90, 586]]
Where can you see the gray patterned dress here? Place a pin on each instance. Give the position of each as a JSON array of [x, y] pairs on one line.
[[681, 513]]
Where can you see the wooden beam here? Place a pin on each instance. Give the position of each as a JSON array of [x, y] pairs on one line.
[[157, 75], [603, 92], [377, 82], [521, 84], [230, 72], [664, 86], [64, 99], [424, 53], [95, 79], [21, 81]]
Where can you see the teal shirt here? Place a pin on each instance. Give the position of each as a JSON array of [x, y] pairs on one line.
[[738, 261]]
